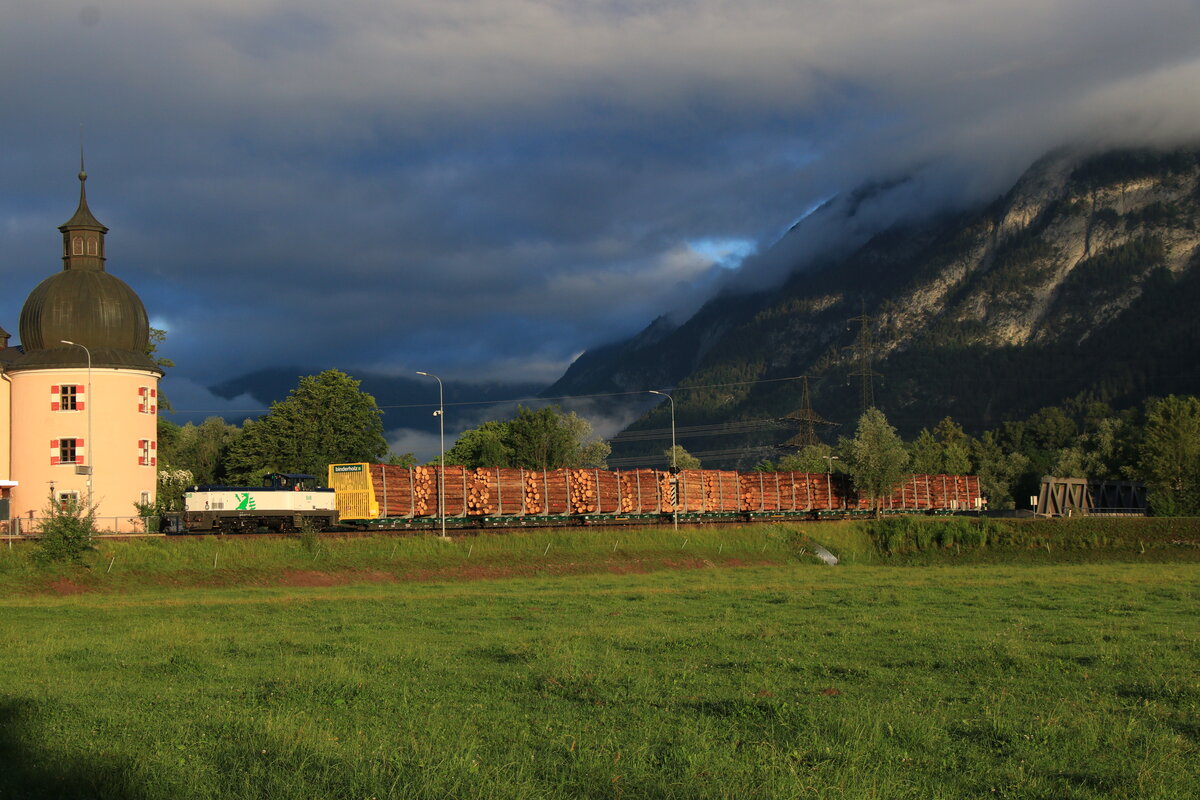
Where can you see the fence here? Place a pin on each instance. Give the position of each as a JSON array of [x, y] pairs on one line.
[[32, 526]]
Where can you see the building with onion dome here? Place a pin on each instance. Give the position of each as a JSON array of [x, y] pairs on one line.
[[80, 391]]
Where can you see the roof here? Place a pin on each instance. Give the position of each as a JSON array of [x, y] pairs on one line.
[[83, 217]]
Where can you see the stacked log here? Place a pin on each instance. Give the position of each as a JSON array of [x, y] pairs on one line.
[[407, 492], [639, 491], [393, 488], [556, 491], [690, 493], [952, 492], [721, 490], [479, 493], [510, 491], [491, 491], [426, 490], [759, 492], [808, 489], [608, 491], [667, 492], [594, 491], [533, 493]]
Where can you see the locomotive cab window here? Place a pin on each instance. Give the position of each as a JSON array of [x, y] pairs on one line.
[[290, 481]]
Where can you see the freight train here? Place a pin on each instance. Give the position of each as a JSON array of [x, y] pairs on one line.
[[367, 496], [383, 496]]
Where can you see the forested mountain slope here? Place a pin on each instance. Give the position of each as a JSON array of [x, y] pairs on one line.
[[1079, 284]]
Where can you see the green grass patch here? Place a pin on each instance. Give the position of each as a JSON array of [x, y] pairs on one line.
[[959, 681], [252, 560], [231, 561]]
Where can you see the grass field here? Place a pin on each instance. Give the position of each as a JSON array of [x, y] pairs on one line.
[[709, 664]]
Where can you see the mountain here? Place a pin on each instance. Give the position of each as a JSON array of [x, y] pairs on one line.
[[1079, 284], [405, 401]]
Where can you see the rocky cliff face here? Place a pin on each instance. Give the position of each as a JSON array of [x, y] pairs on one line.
[[1077, 284]]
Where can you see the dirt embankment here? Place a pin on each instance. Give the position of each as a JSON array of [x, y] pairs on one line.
[[90, 582]]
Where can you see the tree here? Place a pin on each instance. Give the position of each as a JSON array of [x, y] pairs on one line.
[[157, 337], [876, 457], [202, 449], [1050, 429], [172, 486], [682, 459], [998, 470], [549, 439], [925, 454], [811, 458], [947, 450], [325, 420], [1170, 455], [485, 446], [955, 447]]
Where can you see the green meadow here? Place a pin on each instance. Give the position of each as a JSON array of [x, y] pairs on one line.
[[608, 663]]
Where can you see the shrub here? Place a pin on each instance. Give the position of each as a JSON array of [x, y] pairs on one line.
[[895, 535], [308, 536], [66, 532], [971, 533]]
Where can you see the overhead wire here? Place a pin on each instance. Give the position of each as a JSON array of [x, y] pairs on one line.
[[526, 398]]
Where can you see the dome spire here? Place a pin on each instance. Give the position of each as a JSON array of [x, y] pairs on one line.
[[83, 234]]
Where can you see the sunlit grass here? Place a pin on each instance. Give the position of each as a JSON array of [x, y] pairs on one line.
[[764, 681]]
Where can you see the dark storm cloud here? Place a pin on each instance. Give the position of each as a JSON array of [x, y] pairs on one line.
[[485, 189]]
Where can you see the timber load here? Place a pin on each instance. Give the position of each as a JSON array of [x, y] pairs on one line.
[[386, 491]]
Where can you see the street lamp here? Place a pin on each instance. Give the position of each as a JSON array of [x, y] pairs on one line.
[[441, 415], [674, 452], [91, 466], [831, 458]]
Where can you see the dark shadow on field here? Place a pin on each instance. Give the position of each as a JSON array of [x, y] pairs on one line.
[[29, 770]]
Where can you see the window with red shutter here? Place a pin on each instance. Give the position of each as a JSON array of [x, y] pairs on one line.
[[66, 451]]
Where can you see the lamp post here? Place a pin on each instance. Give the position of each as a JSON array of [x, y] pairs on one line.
[[674, 452], [831, 458], [91, 466], [441, 415]]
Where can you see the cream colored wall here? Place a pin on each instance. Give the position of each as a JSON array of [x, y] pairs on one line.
[[5, 428], [118, 480]]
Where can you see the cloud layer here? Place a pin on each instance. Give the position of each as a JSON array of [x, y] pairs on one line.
[[485, 189]]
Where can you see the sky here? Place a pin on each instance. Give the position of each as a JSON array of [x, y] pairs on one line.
[[483, 190]]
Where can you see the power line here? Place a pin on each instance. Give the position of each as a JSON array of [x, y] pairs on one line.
[[740, 452], [526, 398], [693, 431]]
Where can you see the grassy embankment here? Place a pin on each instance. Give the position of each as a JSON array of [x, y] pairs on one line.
[[255, 561], [1006, 678]]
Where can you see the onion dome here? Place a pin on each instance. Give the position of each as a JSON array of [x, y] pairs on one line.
[[85, 305]]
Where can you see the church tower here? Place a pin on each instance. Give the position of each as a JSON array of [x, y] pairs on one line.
[[84, 393]]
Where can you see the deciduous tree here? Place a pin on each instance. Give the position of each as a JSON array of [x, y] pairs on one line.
[[1170, 455], [326, 419], [548, 439], [876, 457], [681, 458]]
